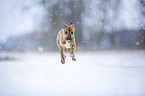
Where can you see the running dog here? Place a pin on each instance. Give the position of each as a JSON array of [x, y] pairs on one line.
[[66, 39]]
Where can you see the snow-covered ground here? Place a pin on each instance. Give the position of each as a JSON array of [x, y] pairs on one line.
[[100, 73]]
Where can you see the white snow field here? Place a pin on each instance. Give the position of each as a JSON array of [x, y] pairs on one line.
[[96, 73]]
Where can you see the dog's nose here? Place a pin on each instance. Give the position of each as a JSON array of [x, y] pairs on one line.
[[69, 38]]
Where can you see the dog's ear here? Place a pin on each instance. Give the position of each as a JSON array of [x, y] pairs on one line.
[[72, 25], [64, 25]]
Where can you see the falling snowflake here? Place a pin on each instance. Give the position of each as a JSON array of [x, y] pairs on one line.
[[40, 49], [46, 29], [61, 14], [50, 19], [137, 43], [83, 41], [94, 48]]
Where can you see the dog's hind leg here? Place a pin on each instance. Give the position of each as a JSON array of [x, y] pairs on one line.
[[72, 53]]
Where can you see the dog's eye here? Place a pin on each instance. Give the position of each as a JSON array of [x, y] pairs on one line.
[[71, 32], [65, 32]]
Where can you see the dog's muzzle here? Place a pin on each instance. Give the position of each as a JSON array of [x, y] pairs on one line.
[[69, 38]]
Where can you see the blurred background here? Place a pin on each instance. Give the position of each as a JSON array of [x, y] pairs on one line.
[[32, 25]]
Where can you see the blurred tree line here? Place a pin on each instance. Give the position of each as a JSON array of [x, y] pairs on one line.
[[98, 24]]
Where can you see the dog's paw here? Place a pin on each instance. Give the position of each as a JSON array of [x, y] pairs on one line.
[[74, 59], [62, 62]]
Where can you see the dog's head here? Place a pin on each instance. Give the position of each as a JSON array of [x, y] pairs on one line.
[[68, 31]]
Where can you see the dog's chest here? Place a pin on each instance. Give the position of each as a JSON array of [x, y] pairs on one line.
[[67, 45]]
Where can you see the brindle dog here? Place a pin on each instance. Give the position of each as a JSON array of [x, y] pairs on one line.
[[66, 39]]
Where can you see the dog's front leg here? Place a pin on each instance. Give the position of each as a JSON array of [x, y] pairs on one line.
[[62, 55]]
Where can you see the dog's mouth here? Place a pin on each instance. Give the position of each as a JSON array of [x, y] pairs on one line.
[[68, 38]]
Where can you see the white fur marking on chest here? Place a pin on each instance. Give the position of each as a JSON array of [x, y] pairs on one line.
[[67, 45]]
